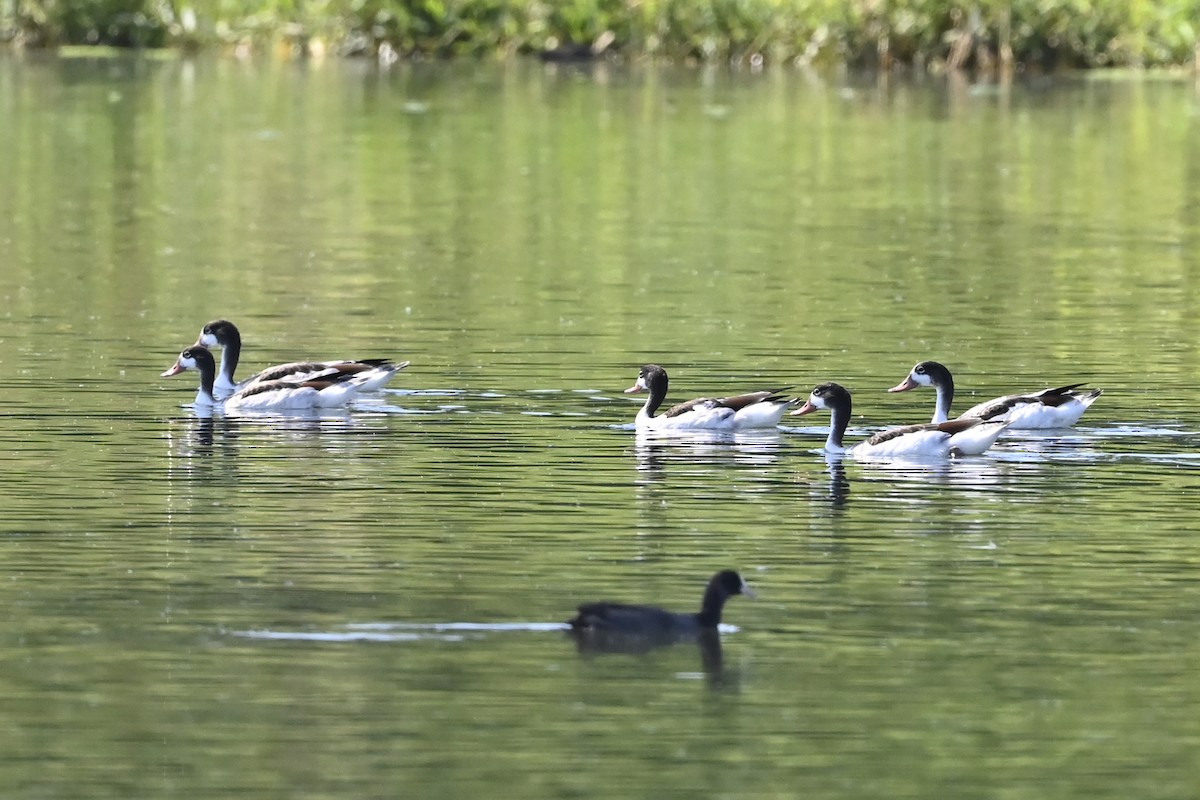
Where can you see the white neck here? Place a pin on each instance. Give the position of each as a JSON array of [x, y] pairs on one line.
[[225, 383], [643, 416], [941, 412]]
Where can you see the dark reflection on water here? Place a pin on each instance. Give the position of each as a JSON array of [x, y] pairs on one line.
[[655, 450], [839, 484], [707, 645]]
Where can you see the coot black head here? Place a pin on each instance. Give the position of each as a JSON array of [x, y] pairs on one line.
[[729, 582]]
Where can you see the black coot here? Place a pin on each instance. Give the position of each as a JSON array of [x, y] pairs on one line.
[[657, 624]]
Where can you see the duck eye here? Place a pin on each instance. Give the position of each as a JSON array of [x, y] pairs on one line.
[[920, 370]]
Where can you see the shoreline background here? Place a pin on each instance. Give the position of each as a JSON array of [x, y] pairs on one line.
[[933, 35]]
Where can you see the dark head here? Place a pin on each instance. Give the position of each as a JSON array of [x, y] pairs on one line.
[[219, 333], [195, 357], [652, 378], [731, 583], [926, 373], [724, 585], [828, 396]]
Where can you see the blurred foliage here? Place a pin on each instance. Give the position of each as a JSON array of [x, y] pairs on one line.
[[1046, 33]]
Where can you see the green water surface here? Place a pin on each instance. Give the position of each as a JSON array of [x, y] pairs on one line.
[[360, 605]]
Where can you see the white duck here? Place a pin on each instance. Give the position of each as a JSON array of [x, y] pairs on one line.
[[1050, 408], [753, 410], [224, 334], [333, 388], [961, 437]]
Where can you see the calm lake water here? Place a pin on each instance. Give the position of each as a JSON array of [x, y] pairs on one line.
[[367, 604]]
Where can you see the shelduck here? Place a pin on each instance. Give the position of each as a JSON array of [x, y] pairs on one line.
[[959, 437], [1050, 408], [320, 390], [224, 334], [753, 410]]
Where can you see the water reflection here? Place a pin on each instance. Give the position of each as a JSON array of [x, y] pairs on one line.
[[838, 494], [288, 529], [205, 434], [401, 632], [1076, 444], [201, 437], [975, 472], [282, 418], [696, 467], [591, 643], [653, 450], [279, 454]]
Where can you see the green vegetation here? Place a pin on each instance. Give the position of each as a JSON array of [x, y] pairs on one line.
[[982, 34]]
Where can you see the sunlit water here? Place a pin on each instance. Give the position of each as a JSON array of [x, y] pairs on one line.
[[370, 602]]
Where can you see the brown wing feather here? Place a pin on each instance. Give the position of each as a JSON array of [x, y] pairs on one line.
[[998, 407], [283, 371], [261, 387], [952, 427], [888, 435], [1002, 405], [683, 408], [740, 401], [735, 402], [319, 382]]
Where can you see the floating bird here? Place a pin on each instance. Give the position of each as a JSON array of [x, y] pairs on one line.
[[753, 410], [615, 622], [939, 440], [320, 390], [224, 334], [1050, 408]]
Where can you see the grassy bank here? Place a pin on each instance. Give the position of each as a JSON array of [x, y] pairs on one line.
[[1040, 33]]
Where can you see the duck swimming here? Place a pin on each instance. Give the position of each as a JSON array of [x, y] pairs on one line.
[[320, 390], [762, 409], [1050, 408], [938, 440], [224, 334]]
